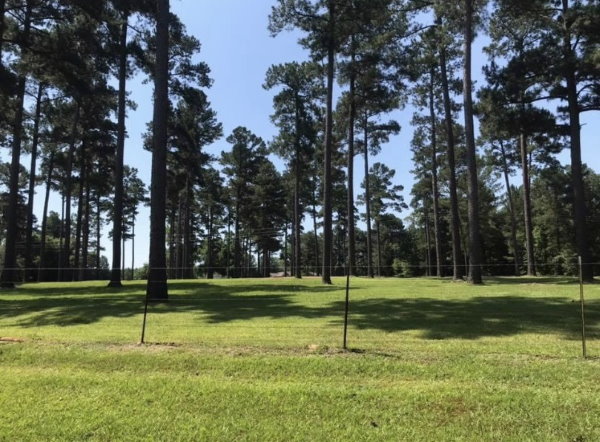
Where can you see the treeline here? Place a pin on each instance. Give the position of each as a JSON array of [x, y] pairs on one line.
[[65, 66]]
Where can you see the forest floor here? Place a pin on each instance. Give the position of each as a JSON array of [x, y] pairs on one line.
[[261, 360]]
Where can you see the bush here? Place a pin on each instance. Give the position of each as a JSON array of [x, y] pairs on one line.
[[402, 269]]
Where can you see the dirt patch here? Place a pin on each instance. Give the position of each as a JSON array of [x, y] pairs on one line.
[[8, 339]]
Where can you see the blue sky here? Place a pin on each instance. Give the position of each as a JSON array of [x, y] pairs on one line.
[[239, 50]]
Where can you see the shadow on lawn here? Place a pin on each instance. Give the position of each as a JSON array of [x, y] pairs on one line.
[[64, 306], [476, 317], [217, 304]]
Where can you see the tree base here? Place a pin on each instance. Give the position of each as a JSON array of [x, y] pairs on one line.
[[7, 285], [115, 285], [157, 291]]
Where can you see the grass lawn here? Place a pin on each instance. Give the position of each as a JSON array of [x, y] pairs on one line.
[[260, 360]]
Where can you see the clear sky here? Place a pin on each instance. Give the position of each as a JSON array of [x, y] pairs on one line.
[[239, 50]]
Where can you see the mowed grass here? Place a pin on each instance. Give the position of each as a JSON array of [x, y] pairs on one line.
[[261, 360]]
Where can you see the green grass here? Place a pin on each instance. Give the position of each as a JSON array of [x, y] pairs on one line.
[[261, 360]]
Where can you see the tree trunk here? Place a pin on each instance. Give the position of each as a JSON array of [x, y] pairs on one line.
[[237, 246], [297, 205], [157, 275], [377, 227], [527, 207], [458, 272], [9, 276], [115, 274], [285, 251], [316, 235], [45, 216], [98, 234], [132, 247], [66, 258], [210, 271], [579, 205], [511, 208], [475, 257], [351, 120], [172, 229], [86, 235], [368, 201], [228, 272], [328, 151], [29, 271], [427, 242], [61, 238], [78, 225], [434, 180]]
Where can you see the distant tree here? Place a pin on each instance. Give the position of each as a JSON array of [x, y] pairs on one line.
[[296, 114]]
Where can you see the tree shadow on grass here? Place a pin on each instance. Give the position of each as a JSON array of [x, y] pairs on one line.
[[246, 300], [476, 317], [75, 305]]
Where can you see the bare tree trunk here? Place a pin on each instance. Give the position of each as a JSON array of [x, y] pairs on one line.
[[45, 217], [78, 225], [579, 205], [527, 207], [378, 226], [328, 151], [511, 208], [297, 205], [157, 275], [29, 271], [132, 248], [9, 274], [172, 249], [427, 242], [450, 153], [115, 275], [83, 275], [350, 203], [98, 234], [434, 180], [66, 260], [368, 200], [475, 257], [210, 272], [316, 236]]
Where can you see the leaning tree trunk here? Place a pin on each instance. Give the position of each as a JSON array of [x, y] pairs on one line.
[[29, 273], [458, 272], [8, 277], [115, 274], [475, 257], [434, 181], [157, 275]]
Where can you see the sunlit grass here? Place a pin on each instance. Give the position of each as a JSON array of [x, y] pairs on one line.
[[261, 360]]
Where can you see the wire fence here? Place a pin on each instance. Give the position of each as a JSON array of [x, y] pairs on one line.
[[379, 313]]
